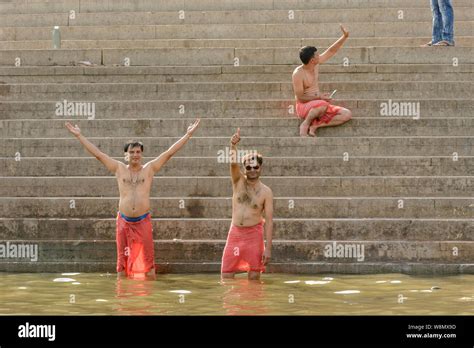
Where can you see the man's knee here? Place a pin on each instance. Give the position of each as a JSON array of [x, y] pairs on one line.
[[346, 115], [319, 111]]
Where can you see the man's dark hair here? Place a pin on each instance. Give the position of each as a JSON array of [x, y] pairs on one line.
[[306, 53], [131, 144], [253, 156]]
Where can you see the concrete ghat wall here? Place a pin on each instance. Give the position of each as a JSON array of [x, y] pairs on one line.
[[397, 185]]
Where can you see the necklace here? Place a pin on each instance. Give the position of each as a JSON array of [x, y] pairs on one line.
[[134, 179]]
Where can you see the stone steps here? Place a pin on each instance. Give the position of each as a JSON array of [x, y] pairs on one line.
[[393, 229], [228, 90], [330, 16], [226, 31], [274, 166], [282, 251], [415, 268], [81, 6], [230, 63], [223, 78], [179, 109], [277, 127], [268, 146], [292, 43], [286, 208], [193, 186], [226, 56]]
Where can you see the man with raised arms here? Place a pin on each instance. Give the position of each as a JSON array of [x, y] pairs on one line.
[[135, 250]]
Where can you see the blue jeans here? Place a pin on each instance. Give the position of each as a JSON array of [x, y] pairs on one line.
[[443, 21]]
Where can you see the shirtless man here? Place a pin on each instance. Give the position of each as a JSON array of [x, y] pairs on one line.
[[135, 250], [311, 105], [251, 200]]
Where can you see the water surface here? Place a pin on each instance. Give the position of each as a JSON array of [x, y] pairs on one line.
[[205, 294]]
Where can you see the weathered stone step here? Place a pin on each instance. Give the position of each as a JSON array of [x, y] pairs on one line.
[[274, 166], [226, 56], [228, 31], [415, 268], [411, 125], [174, 70], [333, 16], [221, 207], [192, 186], [152, 109], [218, 147], [292, 44], [228, 90], [409, 229], [25, 6], [282, 251], [237, 77]]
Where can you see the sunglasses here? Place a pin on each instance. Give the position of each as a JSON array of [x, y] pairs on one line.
[[250, 168]]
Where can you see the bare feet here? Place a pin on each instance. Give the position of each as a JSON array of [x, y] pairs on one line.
[[312, 131], [429, 44], [304, 130]]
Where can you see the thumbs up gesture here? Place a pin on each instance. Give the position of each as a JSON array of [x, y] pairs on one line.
[[235, 138]]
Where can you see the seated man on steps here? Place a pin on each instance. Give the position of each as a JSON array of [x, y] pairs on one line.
[[135, 249], [312, 106]]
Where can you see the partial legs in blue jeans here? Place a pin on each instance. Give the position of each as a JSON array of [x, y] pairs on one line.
[[443, 21]]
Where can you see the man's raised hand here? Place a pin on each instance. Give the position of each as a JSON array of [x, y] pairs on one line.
[[192, 127], [73, 129], [235, 138], [344, 31]]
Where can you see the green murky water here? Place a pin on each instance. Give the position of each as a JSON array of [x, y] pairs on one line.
[[204, 294]]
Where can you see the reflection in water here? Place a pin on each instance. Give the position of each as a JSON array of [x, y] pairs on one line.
[[243, 296], [132, 297], [276, 294]]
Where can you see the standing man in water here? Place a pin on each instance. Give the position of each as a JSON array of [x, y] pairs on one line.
[[312, 106], [135, 250], [251, 200]]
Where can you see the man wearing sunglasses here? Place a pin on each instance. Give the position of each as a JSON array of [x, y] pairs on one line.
[[251, 201]]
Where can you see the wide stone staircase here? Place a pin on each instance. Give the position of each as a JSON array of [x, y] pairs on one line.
[[395, 182]]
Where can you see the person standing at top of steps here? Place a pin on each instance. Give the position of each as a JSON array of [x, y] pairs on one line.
[[135, 250], [251, 200], [312, 106], [443, 24]]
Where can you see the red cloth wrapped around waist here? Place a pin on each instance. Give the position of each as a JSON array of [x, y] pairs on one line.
[[135, 249], [244, 249]]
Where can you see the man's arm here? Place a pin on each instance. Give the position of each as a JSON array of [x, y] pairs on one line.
[[268, 227], [158, 162], [234, 165], [110, 163], [331, 51]]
